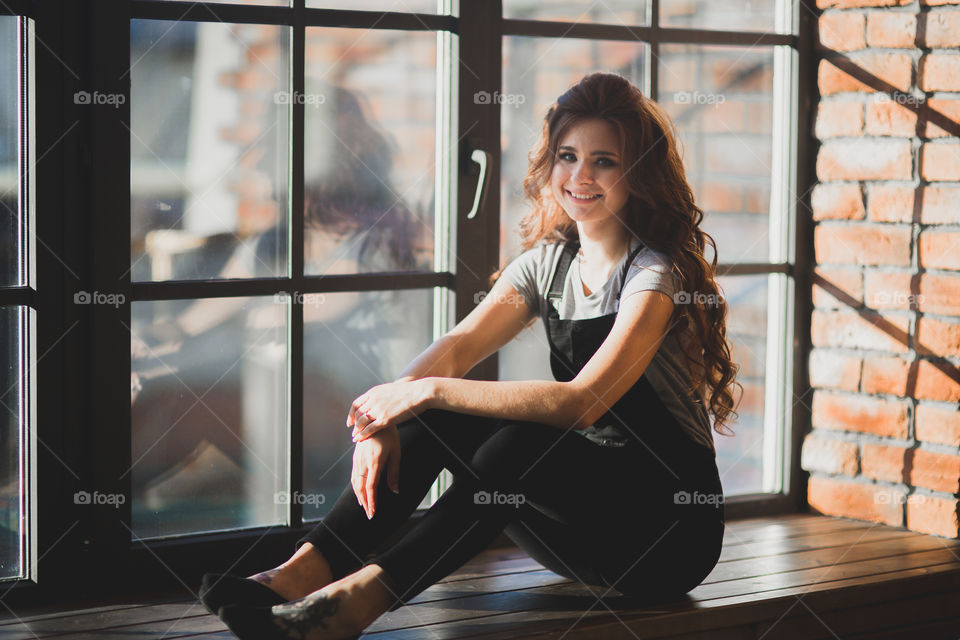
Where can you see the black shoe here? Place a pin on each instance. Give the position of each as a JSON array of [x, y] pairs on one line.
[[251, 623], [219, 590]]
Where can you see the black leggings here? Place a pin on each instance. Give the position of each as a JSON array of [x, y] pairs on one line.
[[605, 516]]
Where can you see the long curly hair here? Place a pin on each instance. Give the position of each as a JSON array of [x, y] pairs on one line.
[[660, 211]]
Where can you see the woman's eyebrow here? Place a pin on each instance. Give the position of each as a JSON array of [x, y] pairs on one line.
[[596, 153]]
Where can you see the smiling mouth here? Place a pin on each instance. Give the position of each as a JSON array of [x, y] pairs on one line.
[[593, 197]]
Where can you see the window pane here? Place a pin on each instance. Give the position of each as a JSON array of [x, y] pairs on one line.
[[209, 150], [535, 72], [625, 12], [369, 165], [9, 175], [271, 3], [740, 458], [721, 100], [12, 493], [727, 15], [408, 6], [352, 341], [209, 406]]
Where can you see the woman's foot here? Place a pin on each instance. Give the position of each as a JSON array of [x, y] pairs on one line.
[[305, 572], [342, 609]]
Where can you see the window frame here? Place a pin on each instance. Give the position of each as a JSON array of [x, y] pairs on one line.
[[83, 367]]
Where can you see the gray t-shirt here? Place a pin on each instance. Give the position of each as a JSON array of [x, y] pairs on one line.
[[650, 270]]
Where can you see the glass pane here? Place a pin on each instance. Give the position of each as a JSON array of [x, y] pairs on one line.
[[535, 72], [9, 175], [352, 341], [740, 458], [727, 15], [209, 406], [208, 150], [12, 372], [621, 12], [370, 135], [270, 3], [721, 100], [403, 6]]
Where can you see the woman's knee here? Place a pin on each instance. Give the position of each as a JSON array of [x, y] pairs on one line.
[[510, 450]]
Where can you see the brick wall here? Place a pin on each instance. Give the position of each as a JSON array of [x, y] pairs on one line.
[[885, 442]]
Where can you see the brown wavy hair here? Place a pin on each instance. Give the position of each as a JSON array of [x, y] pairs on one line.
[[660, 211]]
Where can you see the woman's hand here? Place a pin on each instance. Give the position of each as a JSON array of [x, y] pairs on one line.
[[370, 457], [387, 405]]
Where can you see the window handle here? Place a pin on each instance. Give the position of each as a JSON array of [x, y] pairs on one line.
[[482, 158]]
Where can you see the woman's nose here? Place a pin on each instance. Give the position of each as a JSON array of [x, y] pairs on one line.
[[583, 173]]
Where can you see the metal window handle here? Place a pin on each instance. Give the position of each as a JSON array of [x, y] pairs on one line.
[[482, 158]]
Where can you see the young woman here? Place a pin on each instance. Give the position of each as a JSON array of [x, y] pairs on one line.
[[607, 474]]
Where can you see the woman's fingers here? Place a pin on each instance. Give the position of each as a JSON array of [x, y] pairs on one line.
[[365, 428], [370, 486]]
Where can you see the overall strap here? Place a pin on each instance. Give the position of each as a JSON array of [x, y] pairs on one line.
[[626, 267], [568, 251]]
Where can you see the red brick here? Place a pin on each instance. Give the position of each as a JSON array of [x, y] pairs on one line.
[[864, 414], [837, 201], [883, 290], [850, 4], [838, 118], [894, 69], [862, 244], [852, 331], [865, 159], [829, 455], [930, 514], [936, 471], [885, 117], [943, 28], [834, 370], [842, 31], [890, 29], [940, 161], [940, 294], [938, 338], [938, 424], [939, 249], [939, 205], [864, 501], [940, 72], [885, 374], [848, 281], [946, 108], [884, 463], [890, 203], [720, 196], [937, 381]]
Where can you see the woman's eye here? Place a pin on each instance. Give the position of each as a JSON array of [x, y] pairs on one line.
[[603, 162]]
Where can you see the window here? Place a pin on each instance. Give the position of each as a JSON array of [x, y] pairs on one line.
[[731, 96], [252, 211]]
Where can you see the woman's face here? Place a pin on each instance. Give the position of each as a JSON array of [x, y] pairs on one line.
[[588, 164]]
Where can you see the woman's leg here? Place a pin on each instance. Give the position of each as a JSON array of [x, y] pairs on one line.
[[338, 544]]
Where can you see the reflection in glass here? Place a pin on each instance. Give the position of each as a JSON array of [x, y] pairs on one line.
[[9, 175], [402, 6], [13, 324], [727, 15], [535, 72], [209, 112], [619, 12], [369, 163], [209, 406], [740, 458], [721, 100], [352, 341]]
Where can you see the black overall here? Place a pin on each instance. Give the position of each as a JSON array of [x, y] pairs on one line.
[[635, 506]]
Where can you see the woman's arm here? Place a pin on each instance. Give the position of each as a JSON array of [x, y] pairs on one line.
[[439, 359]]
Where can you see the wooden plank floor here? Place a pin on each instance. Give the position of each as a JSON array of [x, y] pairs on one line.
[[798, 576]]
